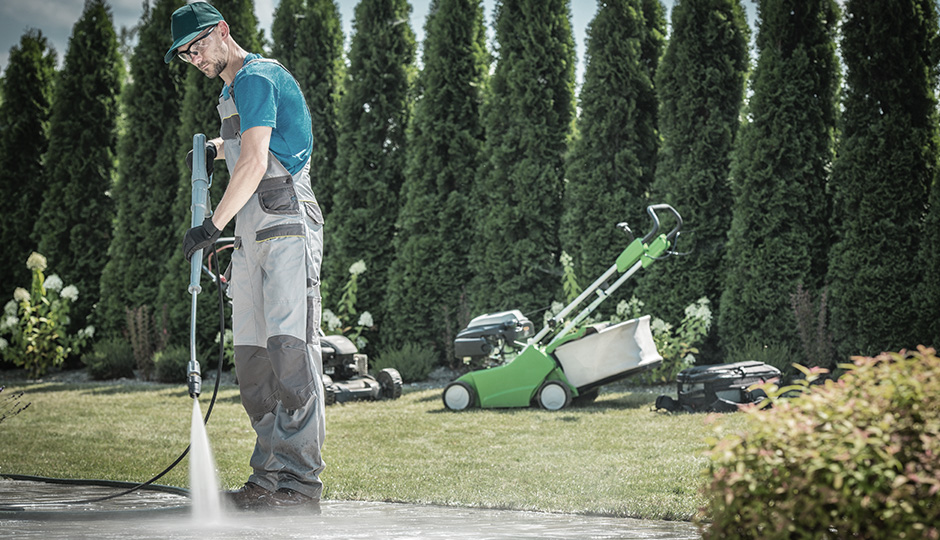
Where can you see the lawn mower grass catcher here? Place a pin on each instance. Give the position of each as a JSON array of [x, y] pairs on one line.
[[345, 370], [563, 361]]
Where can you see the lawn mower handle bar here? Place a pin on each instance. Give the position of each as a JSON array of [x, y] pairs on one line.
[[651, 210], [599, 283]]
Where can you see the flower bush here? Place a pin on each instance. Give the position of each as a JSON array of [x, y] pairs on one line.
[[34, 329], [340, 321], [853, 458]]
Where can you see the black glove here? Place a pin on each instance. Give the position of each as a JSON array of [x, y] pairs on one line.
[[211, 153], [200, 237]]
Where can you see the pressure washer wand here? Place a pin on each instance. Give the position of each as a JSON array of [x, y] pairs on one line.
[[200, 209]]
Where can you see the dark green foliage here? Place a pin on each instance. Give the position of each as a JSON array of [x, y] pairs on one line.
[[199, 115], [812, 319], [611, 165], [654, 41], [855, 458], [518, 195], [374, 113], [169, 365], [148, 175], [308, 40], [24, 116], [412, 361], [430, 270], [886, 163], [779, 232], [73, 229], [700, 83], [112, 358], [927, 300]]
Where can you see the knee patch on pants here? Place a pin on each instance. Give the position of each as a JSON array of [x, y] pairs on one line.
[[293, 369], [256, 385]]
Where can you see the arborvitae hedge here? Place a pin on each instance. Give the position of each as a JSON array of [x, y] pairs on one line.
[[887, 160], [429, 277], [613, 158], [927, 300], [779, 233], [24, 117], [145, 231], [519, 191], [198, 114], [700, 83], [374, 114], [308, 40], [73, 228]]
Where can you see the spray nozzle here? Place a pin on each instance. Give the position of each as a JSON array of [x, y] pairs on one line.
[[194, 379]]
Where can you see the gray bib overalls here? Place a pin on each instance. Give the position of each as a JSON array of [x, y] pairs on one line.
[[275, 289]]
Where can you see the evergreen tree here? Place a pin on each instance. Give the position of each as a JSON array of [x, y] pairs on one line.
[[654, 40], [73, 229], [430, 272], [927, 299], [779, 228], [374, 114], [199, 115], [24, 117], [519, 193], [613, 158], [148, 175], [308, 40], [886, 162], [701, 88]]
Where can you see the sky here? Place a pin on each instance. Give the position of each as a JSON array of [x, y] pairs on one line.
[[55, 18]]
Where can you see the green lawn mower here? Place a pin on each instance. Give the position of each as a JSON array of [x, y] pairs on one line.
[[564, 361]]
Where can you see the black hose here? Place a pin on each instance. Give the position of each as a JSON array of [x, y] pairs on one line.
[[148, 483]]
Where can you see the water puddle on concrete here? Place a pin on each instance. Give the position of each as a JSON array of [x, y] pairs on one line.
[[41, 513]]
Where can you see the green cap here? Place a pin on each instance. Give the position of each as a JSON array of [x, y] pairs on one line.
[[188, 21]]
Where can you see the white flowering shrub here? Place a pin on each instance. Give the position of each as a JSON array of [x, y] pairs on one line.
[[340, 322], [34, 328], [677, 346]]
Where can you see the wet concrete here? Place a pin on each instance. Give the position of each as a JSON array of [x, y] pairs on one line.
[[39, 510]]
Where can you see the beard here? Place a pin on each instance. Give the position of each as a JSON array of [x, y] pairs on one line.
[[213, 69]]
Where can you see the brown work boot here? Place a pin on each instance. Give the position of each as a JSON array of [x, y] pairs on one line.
[[250, 495], [286, 497]]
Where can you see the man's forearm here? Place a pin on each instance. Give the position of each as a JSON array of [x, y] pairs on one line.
[[241, 187], [249, 169]]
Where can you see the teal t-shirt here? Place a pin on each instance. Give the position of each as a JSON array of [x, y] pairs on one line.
[[266, 94]]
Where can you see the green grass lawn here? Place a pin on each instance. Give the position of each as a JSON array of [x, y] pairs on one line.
[[615, 457]]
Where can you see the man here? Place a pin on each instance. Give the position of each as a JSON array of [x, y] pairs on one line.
[[266, 141]]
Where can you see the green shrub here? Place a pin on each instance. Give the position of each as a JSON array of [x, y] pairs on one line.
[[110, 359], [412, 361], [778, 355], [857, 458], [169, 365]]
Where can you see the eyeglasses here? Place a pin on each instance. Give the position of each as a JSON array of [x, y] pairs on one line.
[[194, 48]]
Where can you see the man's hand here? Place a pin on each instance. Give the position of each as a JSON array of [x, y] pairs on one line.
[[200, 237], [211, 153]]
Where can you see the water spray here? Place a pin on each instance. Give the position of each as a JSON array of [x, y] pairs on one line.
[[200, 209]]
